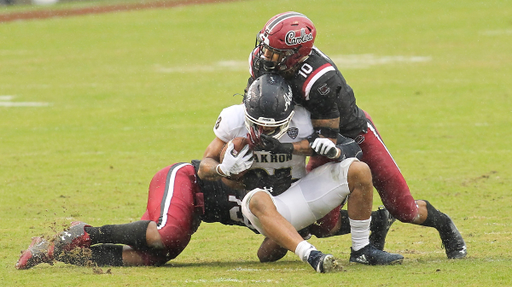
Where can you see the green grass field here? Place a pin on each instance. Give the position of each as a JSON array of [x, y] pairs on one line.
[[92, 106]]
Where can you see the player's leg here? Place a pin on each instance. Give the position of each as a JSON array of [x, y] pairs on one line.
[[146, 247], [173, 213], [314, 196], [336, 222], [162, 234], [271, 223], [270, 251], [163, 231], [455, 247], [106, 254], [387, 178], [330, 184], [258, 206], [381, 221], [359, 206], [397, 198], [359, 211]]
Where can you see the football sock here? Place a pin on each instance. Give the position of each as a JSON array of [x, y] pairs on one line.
[[360, 233], [435, 218], [133, 234], [303, 249], [107, 255], [345, 222]]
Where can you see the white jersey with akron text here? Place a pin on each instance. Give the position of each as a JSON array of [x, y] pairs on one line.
[[231, 124]]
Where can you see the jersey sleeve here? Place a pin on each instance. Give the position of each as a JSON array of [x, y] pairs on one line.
[[230, 123], [322, 102]]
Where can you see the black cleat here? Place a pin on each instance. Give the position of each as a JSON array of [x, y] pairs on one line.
[[323, 263], [381, 222], [453, 243], [370, 255]]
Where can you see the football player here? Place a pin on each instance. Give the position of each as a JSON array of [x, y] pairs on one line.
[[285, 198], [177, 202], [285, 46]]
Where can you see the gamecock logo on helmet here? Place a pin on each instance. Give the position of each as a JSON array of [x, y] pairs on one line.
[[292, 40]]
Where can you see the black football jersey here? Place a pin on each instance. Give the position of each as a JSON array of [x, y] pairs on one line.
[[222, 203], [320, 87]]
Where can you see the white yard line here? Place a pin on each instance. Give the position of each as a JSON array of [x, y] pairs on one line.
[[6, 101], [362, 61]]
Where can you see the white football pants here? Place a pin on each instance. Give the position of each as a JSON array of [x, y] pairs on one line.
[[310, 198]]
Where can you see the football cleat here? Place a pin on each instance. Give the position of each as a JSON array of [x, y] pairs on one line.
[[370, 255], [453, 243], [323, 263], [74, 237], [381, 222], [39, 251]]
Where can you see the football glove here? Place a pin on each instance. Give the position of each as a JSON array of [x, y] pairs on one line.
[[274, 146], [235, 164], [325, 147]]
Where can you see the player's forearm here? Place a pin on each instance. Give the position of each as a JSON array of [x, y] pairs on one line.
[[326, 123], [327, 128], [208, 169], [302, 148]]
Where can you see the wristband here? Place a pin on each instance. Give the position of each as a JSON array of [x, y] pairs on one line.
[[338, 154], [327, 132], [218, 171]]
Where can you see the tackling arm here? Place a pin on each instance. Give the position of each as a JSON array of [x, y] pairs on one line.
[[232, 164], [324, 128], [210, 161]]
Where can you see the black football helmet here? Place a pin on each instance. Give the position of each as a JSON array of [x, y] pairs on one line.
[[268, 103]]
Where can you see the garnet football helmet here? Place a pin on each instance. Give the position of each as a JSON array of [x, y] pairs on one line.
[[268, 104], [285, 40]]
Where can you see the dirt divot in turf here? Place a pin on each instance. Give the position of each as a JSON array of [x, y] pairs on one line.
[[52, 13]]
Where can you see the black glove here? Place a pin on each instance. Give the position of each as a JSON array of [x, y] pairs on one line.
[[273, 145]]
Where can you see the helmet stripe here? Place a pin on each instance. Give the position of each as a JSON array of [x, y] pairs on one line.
[[251, 56], [281, 18]]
